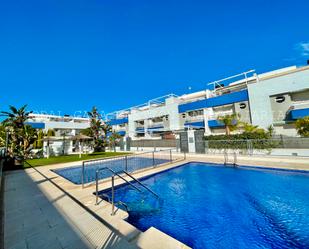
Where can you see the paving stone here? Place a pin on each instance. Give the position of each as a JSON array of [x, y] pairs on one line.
[[40, 216], [15, 243]]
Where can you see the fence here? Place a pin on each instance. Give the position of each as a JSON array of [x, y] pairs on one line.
[[275, 146], [129, 163], [155, 143]]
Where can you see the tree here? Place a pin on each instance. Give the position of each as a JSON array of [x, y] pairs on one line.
[[29, 136], [302, 126], [38, 144], [2, 135], [98, 130], [249, 128], [113, 139], [230, 122], [271, 130], [106, 129], [87, 132], [16, 117], [47, 135], [21, 135], [50, 133]]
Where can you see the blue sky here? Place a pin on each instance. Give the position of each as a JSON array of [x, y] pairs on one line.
[[63, 55]]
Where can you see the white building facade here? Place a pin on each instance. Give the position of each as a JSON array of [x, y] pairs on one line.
[[65, 127], [277, 98]]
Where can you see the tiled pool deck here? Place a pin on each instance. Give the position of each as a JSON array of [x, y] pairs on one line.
[[44, 210]]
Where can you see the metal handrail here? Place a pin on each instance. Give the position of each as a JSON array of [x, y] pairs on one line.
[[226, 158], [112, 199], [235, 158], [107, 196], [143, 185], [123, 204], [114, 173]]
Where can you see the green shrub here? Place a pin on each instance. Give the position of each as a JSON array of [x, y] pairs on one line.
[[302, 126], [247, 140]]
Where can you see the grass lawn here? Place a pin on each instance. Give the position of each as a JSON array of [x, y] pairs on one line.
[[69, 158]]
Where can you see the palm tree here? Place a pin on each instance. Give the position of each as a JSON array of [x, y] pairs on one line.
[[230, 122], [38, 144], [21, 136], [113, 138], [302, 126], [16, 117], [249, 127], [2, 135], [29, 136], [98, 130]]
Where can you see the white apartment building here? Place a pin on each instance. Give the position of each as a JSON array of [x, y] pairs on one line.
[[64, 127], [275, 98]]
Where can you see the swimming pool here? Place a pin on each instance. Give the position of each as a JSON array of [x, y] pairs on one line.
[[209, 206], [74, 174]]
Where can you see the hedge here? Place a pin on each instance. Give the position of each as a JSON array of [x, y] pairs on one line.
[[244, 141]]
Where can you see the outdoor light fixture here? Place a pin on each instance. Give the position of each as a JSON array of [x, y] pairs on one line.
[[280, 99], [242, 105]]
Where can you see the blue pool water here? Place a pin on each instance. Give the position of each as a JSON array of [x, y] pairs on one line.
[[74, 174], [208, 206]]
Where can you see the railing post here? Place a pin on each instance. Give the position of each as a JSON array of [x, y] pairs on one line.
[[225, 157], [83, 173], [171, 159], [184, 155], [153, 159], [235, 158], [113, 197], [97, 186], [126, 163]]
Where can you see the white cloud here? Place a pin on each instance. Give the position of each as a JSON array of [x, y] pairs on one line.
[[303, 48]]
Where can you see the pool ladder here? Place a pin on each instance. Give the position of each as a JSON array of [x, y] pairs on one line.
[[114, 174], [226, 158]]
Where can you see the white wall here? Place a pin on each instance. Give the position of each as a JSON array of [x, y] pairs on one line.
[[65, 125], [170, 108], [260, 104]]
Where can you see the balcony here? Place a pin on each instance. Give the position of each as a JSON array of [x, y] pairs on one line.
[[299, 113], [201, 124], [215, 101], [118, 121], [214, 123], [195, 118]]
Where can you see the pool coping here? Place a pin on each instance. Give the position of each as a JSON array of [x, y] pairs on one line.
[[118, 222], [87, 199]]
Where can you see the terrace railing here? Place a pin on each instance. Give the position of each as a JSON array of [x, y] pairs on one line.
[[129, 163]]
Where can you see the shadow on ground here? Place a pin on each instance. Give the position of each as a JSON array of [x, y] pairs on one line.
[[37, 218]]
